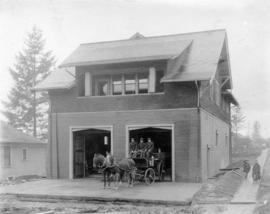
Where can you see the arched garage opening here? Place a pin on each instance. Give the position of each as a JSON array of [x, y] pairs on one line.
[[86, 143], [162, 138]]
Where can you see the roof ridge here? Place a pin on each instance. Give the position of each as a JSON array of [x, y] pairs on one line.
[[150, 37]]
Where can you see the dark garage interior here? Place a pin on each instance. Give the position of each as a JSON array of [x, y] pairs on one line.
[[162, 139], [86, 143]]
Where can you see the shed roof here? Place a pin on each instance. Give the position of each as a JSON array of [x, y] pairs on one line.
[[203, 50], [61, 78], [8, 134]]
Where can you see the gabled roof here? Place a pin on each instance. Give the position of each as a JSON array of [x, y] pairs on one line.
[[8, 134], [192, 56]]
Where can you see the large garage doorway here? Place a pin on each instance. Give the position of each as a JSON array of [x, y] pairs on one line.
[[162, 136], [86, 143]]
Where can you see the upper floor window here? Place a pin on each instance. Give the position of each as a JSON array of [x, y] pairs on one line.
[[123, 84], [101, 86], [130, 84], [143, 83], [117, 85], [215, 94]]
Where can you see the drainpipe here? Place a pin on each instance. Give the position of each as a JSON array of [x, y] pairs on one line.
[[198, 178], [198, 93]]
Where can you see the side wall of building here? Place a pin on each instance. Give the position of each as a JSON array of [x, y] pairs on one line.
[[186, 133], [215, 137], [35, 163]]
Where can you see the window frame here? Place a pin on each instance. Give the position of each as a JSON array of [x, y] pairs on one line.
[[24, 154], [6, 158], [121, 84], [110, 78], [99, 79], [134, 84]]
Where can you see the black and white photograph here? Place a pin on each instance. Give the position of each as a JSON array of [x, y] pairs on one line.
[[134, 106]]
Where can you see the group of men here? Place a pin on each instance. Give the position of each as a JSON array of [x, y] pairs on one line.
[[141, 149], [256, 170]]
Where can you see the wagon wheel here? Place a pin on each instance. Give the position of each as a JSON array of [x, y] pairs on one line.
[[161, 173], [149, 176]]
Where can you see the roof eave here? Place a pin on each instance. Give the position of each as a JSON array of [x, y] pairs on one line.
[[183, 80], [66, 87], [127, 60], [231, 97]]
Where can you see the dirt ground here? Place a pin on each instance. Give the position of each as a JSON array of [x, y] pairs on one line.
[[11, 205]]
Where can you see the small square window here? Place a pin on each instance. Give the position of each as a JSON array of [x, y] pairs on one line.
[[24, 155], [216, 137]]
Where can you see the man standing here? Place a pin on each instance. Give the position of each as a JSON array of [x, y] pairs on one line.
[[246, 168], [149, 147], [256, 171], [141, 148], [109, 160], [133, 148]]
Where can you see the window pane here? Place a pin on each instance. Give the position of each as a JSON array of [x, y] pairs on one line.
[[117, 85], [130, 84], [24, 154], [143, 83], [102, 86], [6, 156]]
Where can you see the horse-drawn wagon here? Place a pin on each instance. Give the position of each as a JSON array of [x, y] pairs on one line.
[[149, 169]]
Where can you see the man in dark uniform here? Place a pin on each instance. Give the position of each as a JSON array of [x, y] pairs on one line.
[[256, 172], [133, 148], [141, 148], [149, 147], [246, 168]]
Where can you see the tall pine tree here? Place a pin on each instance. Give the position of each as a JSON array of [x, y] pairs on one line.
[[27, 110]]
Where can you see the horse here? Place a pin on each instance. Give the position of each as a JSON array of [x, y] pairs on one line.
[[127, 166], [116, 170], [99, 163]]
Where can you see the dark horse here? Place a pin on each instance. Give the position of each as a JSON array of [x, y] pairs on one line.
[[115, 170]]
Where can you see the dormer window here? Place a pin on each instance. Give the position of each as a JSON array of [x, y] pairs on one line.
[[101, 86], [117, 85], [130, 84], [141, 82]]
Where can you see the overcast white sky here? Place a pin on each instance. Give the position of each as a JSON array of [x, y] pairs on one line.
[[67, 23]]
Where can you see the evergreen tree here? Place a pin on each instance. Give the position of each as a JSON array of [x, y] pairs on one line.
[[237, 120], [27, 110], [256, 134]]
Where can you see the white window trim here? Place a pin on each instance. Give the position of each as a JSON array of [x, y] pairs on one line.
[[151, 84], [72, 129], [169, 126]]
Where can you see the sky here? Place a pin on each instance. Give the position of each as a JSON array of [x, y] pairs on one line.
[[67, 23]]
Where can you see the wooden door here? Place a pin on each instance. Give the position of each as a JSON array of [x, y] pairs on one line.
[[79, 155]]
